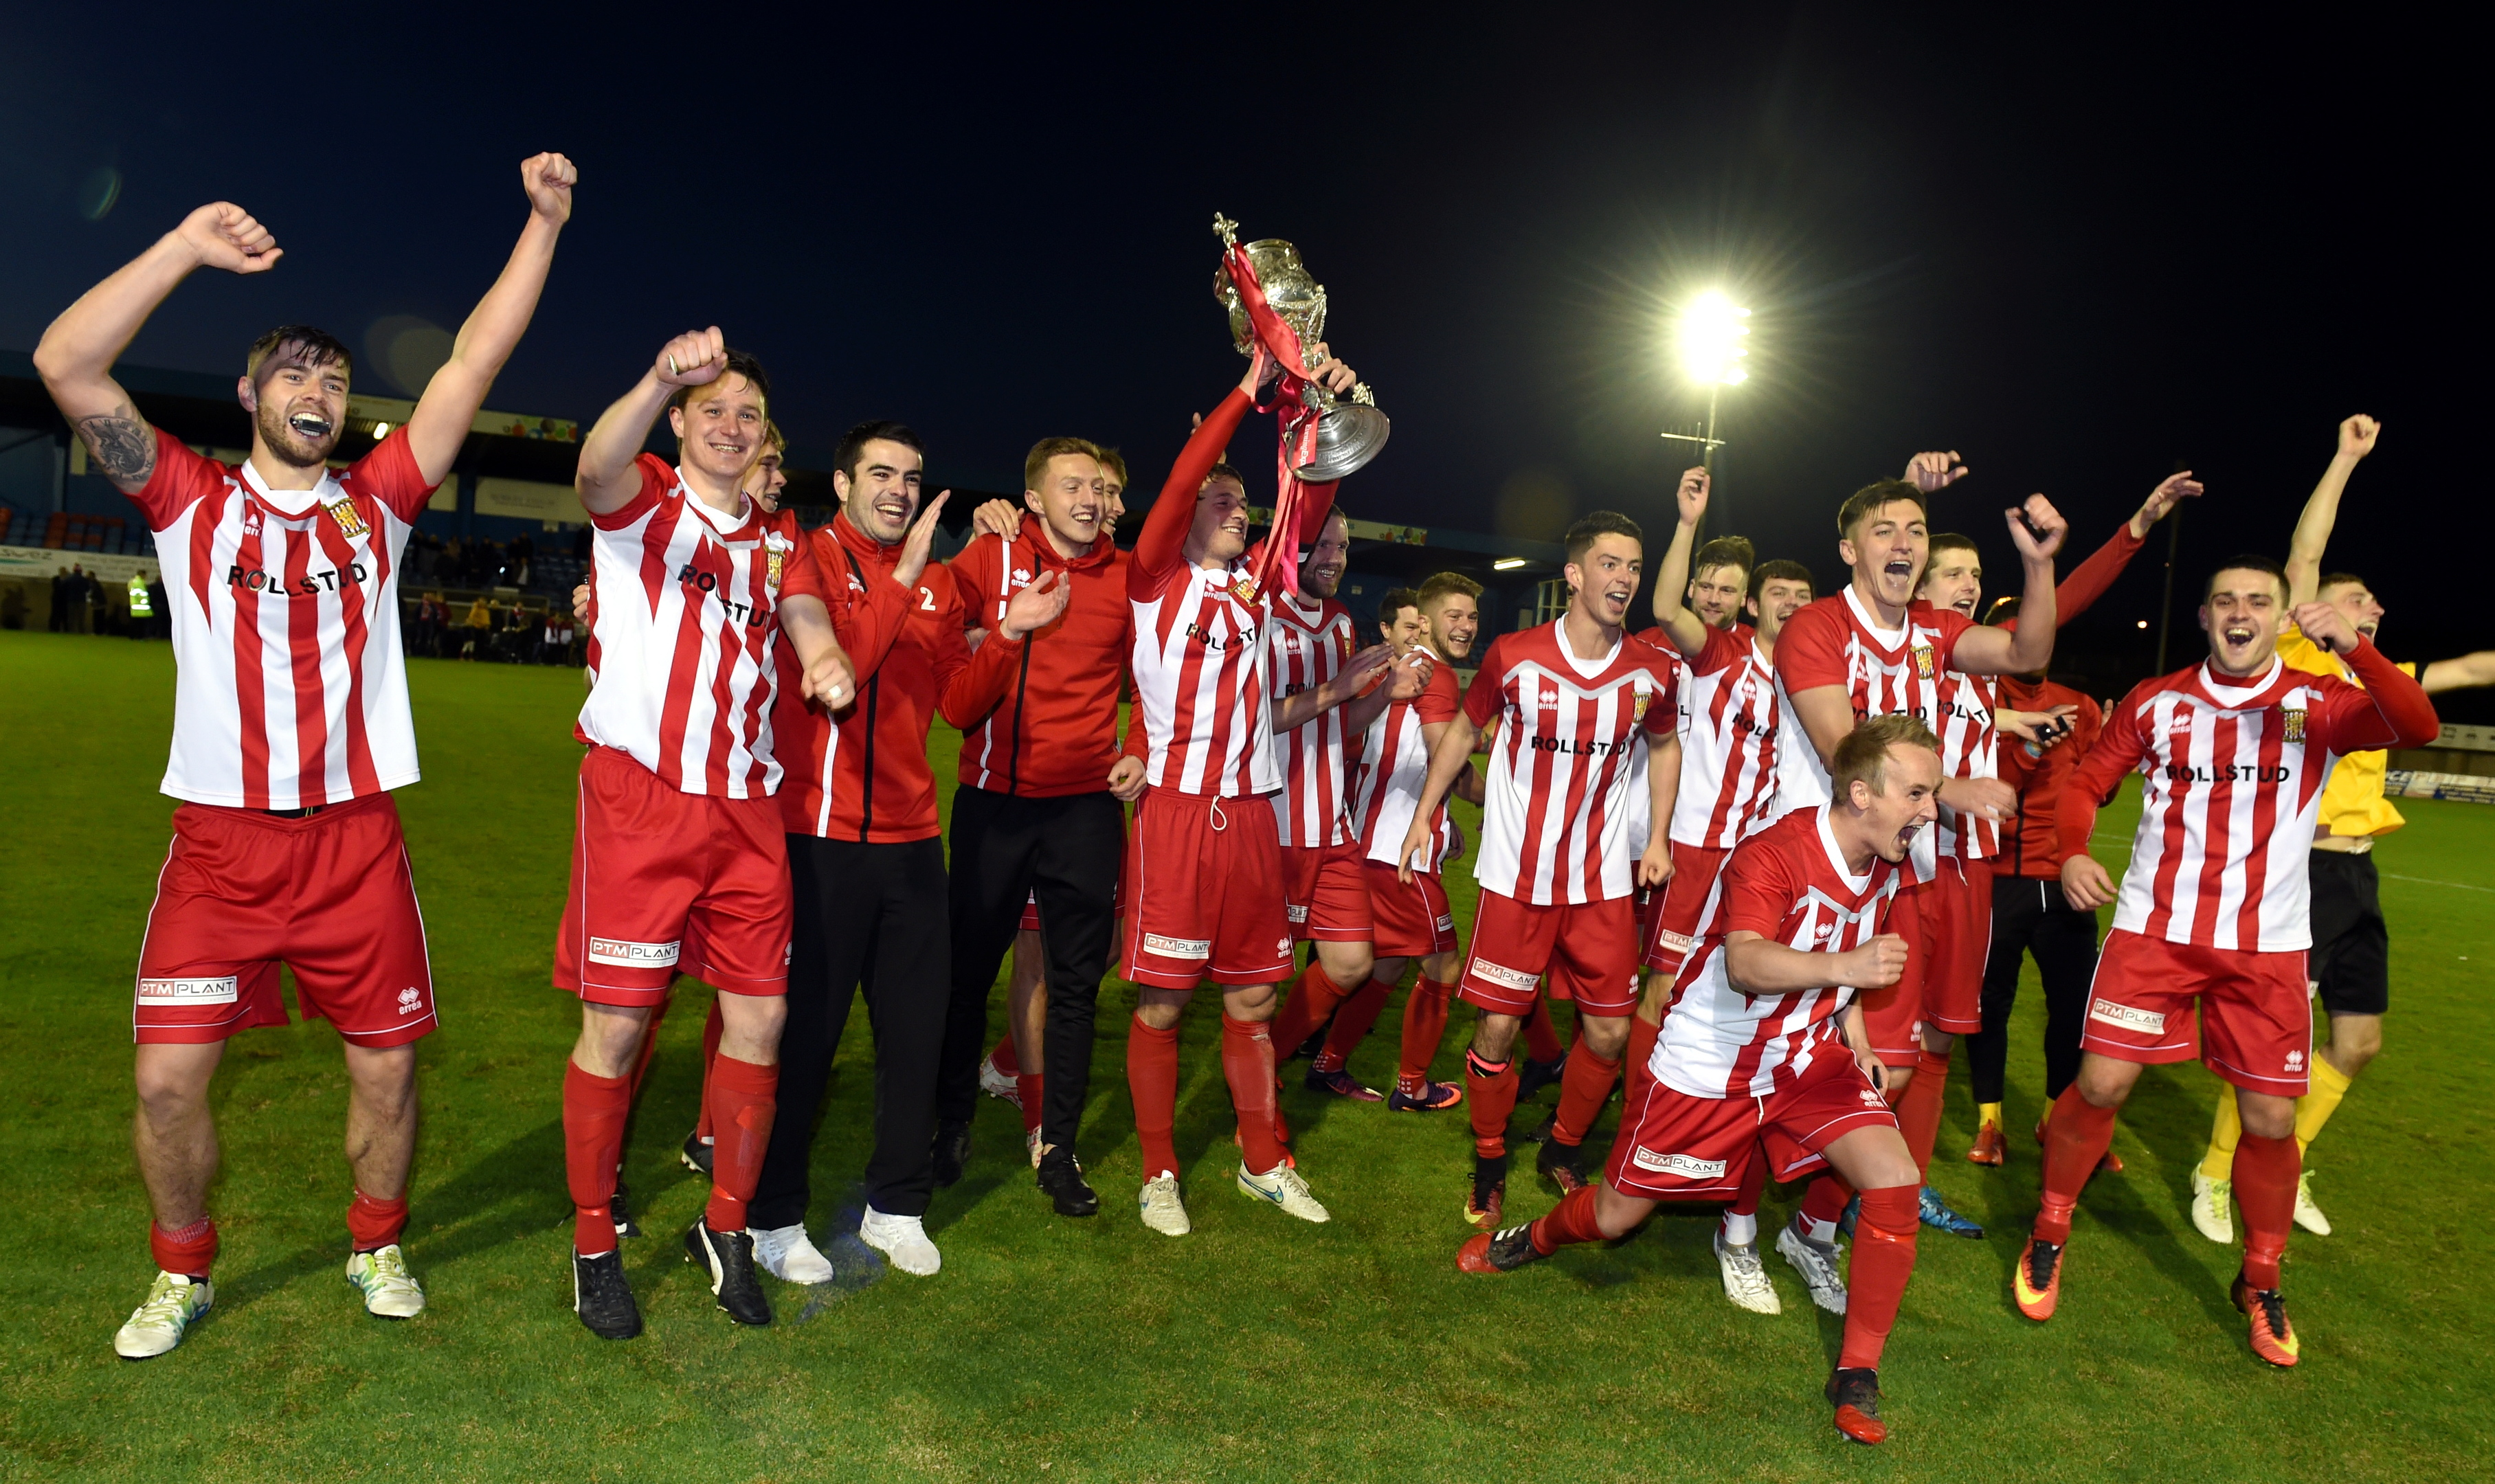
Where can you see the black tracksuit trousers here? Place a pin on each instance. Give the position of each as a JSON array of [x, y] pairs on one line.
[[1065, 851], [872, 916], [2031, 917]]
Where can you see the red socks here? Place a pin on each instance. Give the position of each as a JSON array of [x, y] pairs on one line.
[[594, 1111], [190, 1252], [1492, 1086], [1312, 995], [710, 1053], [1004, 1059], [1425, 1024], [1823, 1201], [373, 1224], [1352, 1022], [2076, 1137], [1031, 1088], [2265, 1176], [649, 1046], [1570, 1220], [1884, 1258], [743, 1097], [1583, 1087], [1643, 1034], [1541, 1036], [1151, 1078], [1919, 1109], [1248, 1065]]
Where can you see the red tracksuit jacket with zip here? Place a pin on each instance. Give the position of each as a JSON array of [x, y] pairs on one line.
[[1044, 725], [861, 773]]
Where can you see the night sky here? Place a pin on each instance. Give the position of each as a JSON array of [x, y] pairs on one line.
[[2077, 255]]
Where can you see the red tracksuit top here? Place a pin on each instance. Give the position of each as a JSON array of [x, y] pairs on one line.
[[2028, 852], [863, 775], [1046, 723]]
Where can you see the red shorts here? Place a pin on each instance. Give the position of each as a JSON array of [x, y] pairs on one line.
[[1670, 929], [1325, 891], [2256, 1021], [1673, 1146], [1412, 921], [329, 896], [1588, 948], [663, 883], [1208, 874], [1894, 1017], [1958, 933]]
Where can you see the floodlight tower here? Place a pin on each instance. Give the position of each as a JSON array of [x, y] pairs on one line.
[[1709, 339]]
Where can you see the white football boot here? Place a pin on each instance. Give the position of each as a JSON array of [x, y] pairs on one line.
[[790, 1255], [1282, 1185], [156, 1327], [2210, 1212], [1745, 1278], [904, 1240], [1160, 1206], [390, 1291]]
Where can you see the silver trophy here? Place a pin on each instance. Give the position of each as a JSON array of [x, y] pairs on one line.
[[1349, 431]]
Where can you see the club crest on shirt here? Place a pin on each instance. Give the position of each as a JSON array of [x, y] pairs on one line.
[[775, 548], [2295, 724], [350, 524], [1923, 661], [1243, 588], [1342, 643], [1636, 709]]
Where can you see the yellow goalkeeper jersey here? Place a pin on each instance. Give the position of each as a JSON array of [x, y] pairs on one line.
[[2351, 803]]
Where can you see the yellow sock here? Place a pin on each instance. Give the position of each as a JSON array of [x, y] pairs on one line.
[[1988, 1113], [2314, 1109], [2219, 1163]]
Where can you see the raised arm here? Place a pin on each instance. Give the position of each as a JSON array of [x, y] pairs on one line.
[[2461, 674], [2037, 530], [607, 479], [75, 356], [2357, 436], [1161, 544], [2391, 711], [1687, 630], [447, 411]]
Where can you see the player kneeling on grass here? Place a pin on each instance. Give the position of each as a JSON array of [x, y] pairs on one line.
[[1764, 1054], [290, 725], [2215, 911]]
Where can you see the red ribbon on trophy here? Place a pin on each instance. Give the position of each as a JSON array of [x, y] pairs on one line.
[[1279, 564]]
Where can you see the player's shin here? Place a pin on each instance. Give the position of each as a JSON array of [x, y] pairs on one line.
[[1248, 1065], [1884, 1258], [2076, 1138], [1643, 1034], [711, 1031], [1823, 1201], [1584, 1087], [2265, 1175], [1351, 1023], [1311, 1000], [1425, 1025], [744, 1100], [1741, 1217], [1572, 1220], [1542, 1033], [594, 1111], [1152, 1079], [1490, 1089], [1919, 1107]]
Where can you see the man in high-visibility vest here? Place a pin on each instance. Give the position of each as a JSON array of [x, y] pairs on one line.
[[2351, 956]]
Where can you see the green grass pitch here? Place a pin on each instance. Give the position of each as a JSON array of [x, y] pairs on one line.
[[1259, 1348]]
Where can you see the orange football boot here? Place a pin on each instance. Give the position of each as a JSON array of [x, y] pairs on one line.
[[2273, 1338], [2037, 1281], [1987, 1147]]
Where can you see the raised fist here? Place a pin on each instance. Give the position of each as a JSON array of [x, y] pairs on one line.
[[549, 178], [2357, 436], [1876, 965], [2326, 625], [2037, 529], [692, 359], [1691, 495], [1929, 472], [224, 235]]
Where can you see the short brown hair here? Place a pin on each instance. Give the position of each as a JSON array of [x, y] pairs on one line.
[[1725, 552], [1395, 600], [772, 435], [2333, 579], [1034, 464], [1781, 570], [1581, 536], [315, 348], [1439, 584], [1863, 752], [1113, 464], [1225, 469], [1947, 541], [739, 364], [2249, 562], [1870, 497]]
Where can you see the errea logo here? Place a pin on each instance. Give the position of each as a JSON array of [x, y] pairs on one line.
[[409, 999], [2295, 1060]]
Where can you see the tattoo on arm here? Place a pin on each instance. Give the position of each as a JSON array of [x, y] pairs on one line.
[[123, 445]]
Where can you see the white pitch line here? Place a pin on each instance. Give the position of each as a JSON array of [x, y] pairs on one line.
[[2428, 880]]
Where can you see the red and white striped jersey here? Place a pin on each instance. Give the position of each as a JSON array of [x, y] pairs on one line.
[[289, 688], [1393, 763], [1728, 741], [1310, 643], [1837, 640], [1970, 748], [1200, 680], [2232, 784], [1788, 883], [1572, 742], [684, 623]]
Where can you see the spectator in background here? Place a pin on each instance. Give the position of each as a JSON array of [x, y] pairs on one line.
[[94, 601], [554, 647], [432, 620], [62, 587], [518, 631], [160, 625], [477, 628], [523, 552]]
